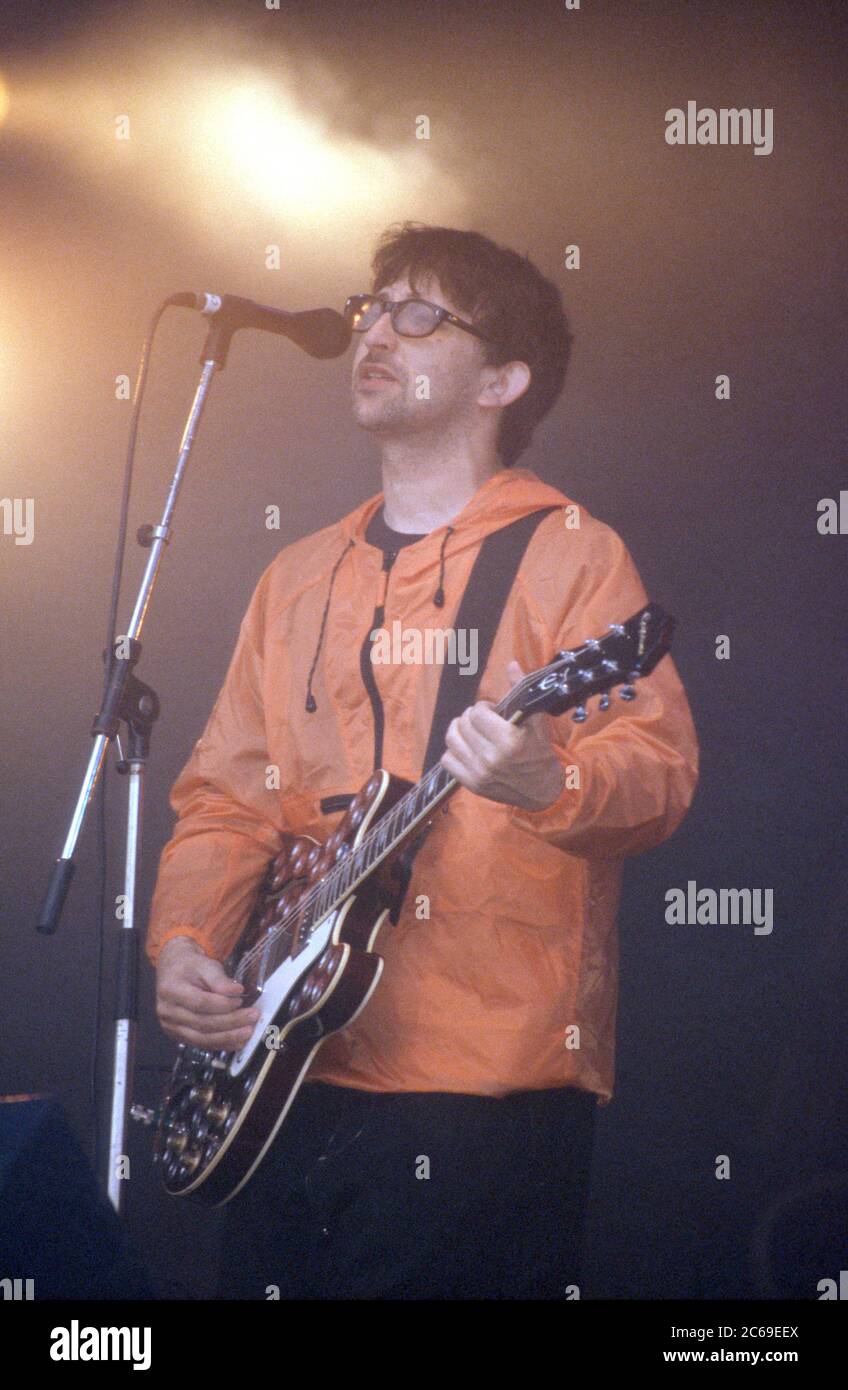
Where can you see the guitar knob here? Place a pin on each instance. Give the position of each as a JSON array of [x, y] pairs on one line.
[[604, 702], [627, 692], [579, 716], [177, 1141]]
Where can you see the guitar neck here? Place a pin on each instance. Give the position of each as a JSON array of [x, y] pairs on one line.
[[396, 828], [628, 651]]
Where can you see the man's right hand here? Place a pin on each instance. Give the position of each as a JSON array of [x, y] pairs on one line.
[[197, 1002]]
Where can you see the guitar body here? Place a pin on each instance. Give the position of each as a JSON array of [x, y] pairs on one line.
[[221, 1111], [307, 957]]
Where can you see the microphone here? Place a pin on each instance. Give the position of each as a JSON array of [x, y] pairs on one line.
[[320, 332]]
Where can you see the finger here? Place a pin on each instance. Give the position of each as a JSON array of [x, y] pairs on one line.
[[209, 974], [177, 1016], [483, 722], [465, 754], [199, 1001], [210, 1042], [180, 1011], [452, 766], [459, 772]]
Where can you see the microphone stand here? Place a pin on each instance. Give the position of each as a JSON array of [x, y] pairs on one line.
[[129, 699]]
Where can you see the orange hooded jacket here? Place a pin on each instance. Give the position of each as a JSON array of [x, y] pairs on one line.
[[510, 983]]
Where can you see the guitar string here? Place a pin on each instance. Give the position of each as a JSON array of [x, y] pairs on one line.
[[303, 904], [299, 909], [295, 914]]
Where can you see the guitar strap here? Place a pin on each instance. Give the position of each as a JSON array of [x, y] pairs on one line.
[[481, 607]]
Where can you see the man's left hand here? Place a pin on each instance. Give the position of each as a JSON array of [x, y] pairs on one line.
[[513, 763]]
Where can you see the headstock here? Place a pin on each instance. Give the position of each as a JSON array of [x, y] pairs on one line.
[[627, 651]]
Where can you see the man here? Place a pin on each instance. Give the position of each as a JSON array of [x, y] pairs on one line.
[[440, 1146]]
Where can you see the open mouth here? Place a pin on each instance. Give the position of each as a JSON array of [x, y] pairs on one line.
[[374, 376]]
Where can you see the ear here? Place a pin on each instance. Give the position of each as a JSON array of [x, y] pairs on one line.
[[504, 384]]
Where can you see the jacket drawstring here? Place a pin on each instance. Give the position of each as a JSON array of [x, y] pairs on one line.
[[438, 600], [311, 706], [439, 596]]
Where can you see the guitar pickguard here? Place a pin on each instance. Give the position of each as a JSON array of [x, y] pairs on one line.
[[279, 986]]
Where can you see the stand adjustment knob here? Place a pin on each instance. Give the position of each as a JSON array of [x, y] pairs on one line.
[[143, 1114]]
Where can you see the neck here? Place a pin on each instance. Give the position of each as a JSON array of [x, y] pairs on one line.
[[425, 487]]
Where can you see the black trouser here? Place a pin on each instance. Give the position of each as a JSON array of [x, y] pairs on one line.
[[415, 1195]]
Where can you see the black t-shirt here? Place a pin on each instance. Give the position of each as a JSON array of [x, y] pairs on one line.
[[379, 534]]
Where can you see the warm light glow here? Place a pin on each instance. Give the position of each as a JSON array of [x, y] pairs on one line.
[[235, 151], [5, 100], [13, 370], [278, 155]]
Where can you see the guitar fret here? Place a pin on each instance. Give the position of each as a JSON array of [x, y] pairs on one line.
[[418, 800]]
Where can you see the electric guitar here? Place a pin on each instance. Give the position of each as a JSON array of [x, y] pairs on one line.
[[307, 957]]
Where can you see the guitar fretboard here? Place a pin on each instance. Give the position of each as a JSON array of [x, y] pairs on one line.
[[377, 844], [628, 651]]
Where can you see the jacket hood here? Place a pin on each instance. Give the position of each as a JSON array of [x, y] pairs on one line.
[[503, 498]]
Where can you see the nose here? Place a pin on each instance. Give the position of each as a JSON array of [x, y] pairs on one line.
[[381, 331]]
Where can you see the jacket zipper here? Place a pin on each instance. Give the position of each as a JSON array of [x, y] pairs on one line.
[[366, 665]]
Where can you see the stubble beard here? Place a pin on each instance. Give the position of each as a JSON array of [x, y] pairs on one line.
[[392, 417]]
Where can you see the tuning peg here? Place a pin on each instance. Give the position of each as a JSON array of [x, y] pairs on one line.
[[579, 715]]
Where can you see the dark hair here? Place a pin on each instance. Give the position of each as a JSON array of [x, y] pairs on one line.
[[505, 296]]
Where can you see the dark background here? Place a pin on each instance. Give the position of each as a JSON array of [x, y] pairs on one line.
[[547, 129]]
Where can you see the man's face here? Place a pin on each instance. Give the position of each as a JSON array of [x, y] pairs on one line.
[[436, 380]]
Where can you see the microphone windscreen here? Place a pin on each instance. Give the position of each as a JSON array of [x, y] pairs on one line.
[[320, 332]]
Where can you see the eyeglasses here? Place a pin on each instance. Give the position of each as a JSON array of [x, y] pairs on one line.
[[411, 318]]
